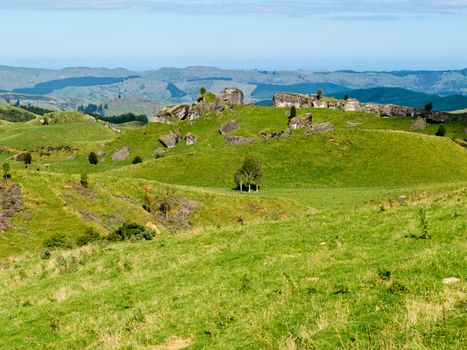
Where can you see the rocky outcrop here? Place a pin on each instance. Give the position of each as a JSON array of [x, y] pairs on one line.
[[227, 98], [352, 105], [287, 100], [231, 96], [235, 140], [300, 123], [320, 128], [229, 127], [121, 154], [170, 140], [190, 139], [161, 120]]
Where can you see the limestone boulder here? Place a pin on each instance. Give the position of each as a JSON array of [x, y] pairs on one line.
[[300, 122], [170, 140], [121, 154], [236, 140], [231, 96], [320, 103], [320, 128], [229, 127], [161, 120], [352, 105], [287, 100]]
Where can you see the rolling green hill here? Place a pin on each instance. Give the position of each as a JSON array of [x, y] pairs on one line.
[[346, 245], [14, 114]]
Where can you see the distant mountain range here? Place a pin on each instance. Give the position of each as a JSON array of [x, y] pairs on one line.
[[70, 87]]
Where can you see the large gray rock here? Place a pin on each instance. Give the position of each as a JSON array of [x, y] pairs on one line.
[[229, 127], [287, 100], [179, 112], [231, 96], [121, 154], [321, 103], [300, 123], [161, 120], [352, 105], [320, 128], [170, 140], [235, 140]]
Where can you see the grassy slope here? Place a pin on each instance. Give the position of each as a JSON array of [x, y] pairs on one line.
[[292, 277], [297, 284]]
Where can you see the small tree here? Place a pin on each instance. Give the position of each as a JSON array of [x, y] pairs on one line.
[[441, 131], [429, 107], [84, 181], [93, 158], [251, 172], [27, 158], [239, 179], [319, 93], [346, 97], [202, 91], [293, 112], [6, 170], [137, 160]]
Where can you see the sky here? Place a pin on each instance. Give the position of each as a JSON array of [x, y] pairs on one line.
[[243, 34]]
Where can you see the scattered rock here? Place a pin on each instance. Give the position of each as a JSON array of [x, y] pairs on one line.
[[352, 105], [179, 112], [402, 199], [320, 128], [190, 139], [235, 140], [321, 103], [121, 154], [170, 140], [231, 96], [300, 123], [451, 280], [161, 120], [419, 124], [159, 152], [229, 127]]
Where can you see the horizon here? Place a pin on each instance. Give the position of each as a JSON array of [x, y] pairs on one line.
[[364, 35]]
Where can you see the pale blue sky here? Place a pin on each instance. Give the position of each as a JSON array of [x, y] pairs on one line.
[[315, 34]]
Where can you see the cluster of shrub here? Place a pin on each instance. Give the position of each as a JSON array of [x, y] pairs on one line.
[[128, 231]]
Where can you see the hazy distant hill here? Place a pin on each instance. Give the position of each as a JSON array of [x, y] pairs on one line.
[[82, 85], [406, 97]]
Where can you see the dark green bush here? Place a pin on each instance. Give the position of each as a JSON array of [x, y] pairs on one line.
[[137, 160], [89, 236], [93, 158], [131, 231], [441, 131], [58, 240]]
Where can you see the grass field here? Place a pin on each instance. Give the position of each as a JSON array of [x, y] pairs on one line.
[[345, 247]]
